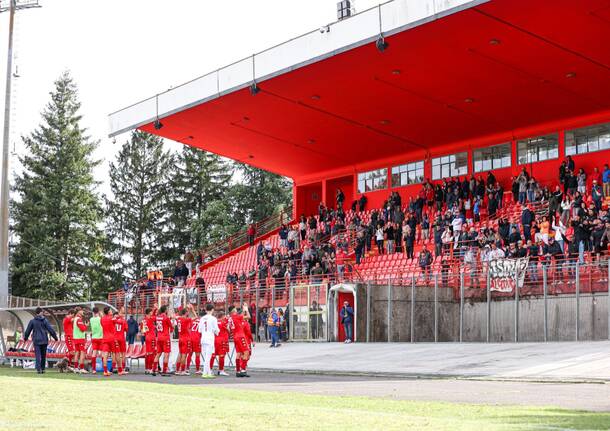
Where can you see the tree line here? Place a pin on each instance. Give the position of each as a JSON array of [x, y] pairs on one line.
[[70, 242]]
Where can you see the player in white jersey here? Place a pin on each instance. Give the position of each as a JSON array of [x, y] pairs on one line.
[[208, 328]]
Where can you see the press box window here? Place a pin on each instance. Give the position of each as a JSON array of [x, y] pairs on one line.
[[537, 149], [410, 173], [588, 139], [372, 180], [450, 166], [495, 157]]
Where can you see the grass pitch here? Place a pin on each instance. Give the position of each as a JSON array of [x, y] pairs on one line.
[[63, 401]]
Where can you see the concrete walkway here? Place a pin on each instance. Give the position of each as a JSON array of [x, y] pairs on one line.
[[584, 361]]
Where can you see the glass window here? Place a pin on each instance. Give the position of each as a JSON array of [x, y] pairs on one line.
[[537, 149], [588, 139], [372, 180], [410, 173], [495, 157], [453, 165]]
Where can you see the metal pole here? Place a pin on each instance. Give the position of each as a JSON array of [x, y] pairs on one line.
[[577, 298], [308, 314], [516, 304], [412, 308], [461, 306], [368, 312], [488, 311], [546, 305], [389, 312], [4, 198], [292, 307], [436, 307]]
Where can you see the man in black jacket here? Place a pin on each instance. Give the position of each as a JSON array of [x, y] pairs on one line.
[[39, 326], [527, 217]]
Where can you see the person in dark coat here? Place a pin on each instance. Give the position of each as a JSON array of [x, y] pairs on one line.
[[39, 327], [132, 330]]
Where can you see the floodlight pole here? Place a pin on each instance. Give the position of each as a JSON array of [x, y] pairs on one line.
[[13, 6]]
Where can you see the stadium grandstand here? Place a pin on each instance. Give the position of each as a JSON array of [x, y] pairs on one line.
[[449, 159]]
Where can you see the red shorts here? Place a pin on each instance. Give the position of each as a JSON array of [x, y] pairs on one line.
[[108, 346], [151, 346], [120, 346], [221, 346], [196, 345], [241, 345], [164, 345], [79, 345], [70, 343], [96, 344], [185, 346]]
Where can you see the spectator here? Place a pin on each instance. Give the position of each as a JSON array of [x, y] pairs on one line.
[[132, 330], [273, 323], [492, 205], [283, 234], [340, 198], [347, 320], [581, 181], [180, 273], [39, 327], [570, 164], [606, 180], [425, 263], [522, 180], [251, 233], [189, 260], [362, 203]]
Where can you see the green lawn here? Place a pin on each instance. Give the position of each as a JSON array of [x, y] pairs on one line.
[[69, 402]]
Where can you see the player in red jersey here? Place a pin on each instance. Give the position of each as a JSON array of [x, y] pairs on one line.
[[221, 344], [150, 339], [79, 343], [108, 339], [249, 340], [236, 326], [164, 327], [195, 344], [183, 322], [120, 345], [68, 338]]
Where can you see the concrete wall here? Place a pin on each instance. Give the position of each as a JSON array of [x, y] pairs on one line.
[[561, 317]]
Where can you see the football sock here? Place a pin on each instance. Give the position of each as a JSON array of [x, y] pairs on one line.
[[221, 363], [188, 361], [164, 367], [93, 362], [238, 365], [198, 361], [105, 365], [82, 365], [212, 361], [155, 365]]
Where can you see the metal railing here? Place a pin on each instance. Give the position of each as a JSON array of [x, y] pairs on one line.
[[11, 301]]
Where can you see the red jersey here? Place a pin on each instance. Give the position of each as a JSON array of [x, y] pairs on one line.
[[108, 327], [223, 326], [68, 327], [184, 327], [120, 328], [164, 326], [236, 325], [247, 331], [195, 335]]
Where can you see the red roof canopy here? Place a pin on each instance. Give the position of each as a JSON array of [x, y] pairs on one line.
[[491, 70]]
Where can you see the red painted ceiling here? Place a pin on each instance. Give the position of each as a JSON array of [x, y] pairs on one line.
[[439, 83]]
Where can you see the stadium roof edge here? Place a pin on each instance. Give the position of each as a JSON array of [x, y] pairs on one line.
[[386, 19]]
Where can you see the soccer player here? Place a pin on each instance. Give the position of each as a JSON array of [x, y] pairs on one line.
[[69, 339], [164, 327], [120, 345], [236, 325], [108, 338], [195, 344], [208, 328], [97, 334], [221, 344], [150, 339], [79, 328], [184, 340], [249, 341]]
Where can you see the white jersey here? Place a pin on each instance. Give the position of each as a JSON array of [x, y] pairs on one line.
[[208, 328]]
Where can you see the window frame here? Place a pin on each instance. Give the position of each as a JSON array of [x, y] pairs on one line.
[[587, 137], [382, 174], [447, 161], [528, 142], [414, 166], [494, 157]]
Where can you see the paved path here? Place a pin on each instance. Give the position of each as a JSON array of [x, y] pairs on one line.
[[585, 361]]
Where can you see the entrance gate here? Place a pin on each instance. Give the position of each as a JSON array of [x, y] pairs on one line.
[[309, 312]]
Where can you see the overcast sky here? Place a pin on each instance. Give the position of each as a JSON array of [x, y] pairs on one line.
[[122, 51]]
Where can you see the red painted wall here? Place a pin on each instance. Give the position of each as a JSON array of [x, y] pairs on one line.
[[307, 199], [344, 183]]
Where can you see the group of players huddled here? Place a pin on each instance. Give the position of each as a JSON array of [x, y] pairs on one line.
[[200, 334]]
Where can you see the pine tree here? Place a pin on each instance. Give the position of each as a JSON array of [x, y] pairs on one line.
[[57, 211], [261, 194], [200, 213], [137, 212]]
